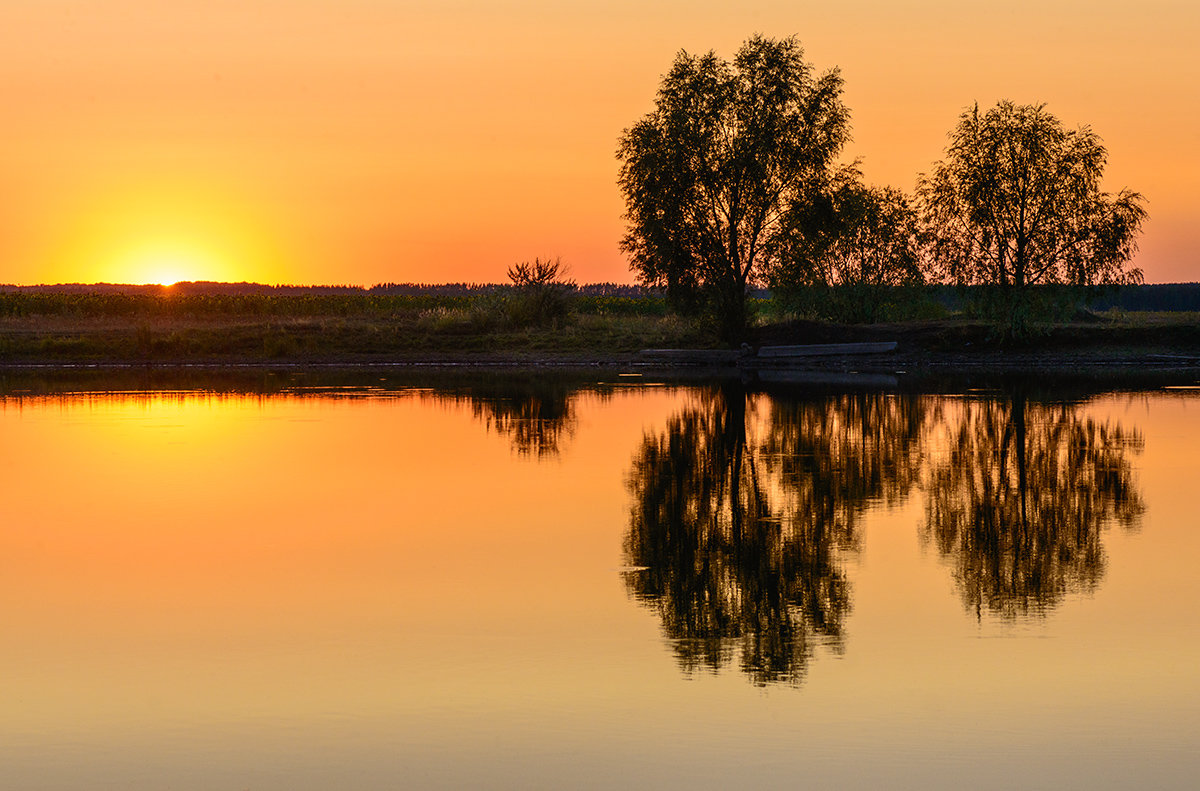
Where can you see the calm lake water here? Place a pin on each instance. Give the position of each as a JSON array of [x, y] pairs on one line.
[[529, 583]]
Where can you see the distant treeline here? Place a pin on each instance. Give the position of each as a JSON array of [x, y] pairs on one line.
[[208, 288], [1157, 296], [469, 289], [1164, 297], [596, 297], [494, 306]]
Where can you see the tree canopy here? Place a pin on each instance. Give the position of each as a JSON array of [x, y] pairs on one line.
[[1017, 202], [711, 175], [848, 249]]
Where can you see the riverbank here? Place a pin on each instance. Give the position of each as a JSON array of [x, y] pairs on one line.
[[455, 339]]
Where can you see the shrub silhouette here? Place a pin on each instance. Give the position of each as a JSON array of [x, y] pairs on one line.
[[541, 297]]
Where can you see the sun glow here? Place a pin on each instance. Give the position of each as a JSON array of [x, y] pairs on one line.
[[167, 264], [163, 231]]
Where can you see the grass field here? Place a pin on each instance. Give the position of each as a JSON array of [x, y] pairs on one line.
[[49, 327], [63, 328]]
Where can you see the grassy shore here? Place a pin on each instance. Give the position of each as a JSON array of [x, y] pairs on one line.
[[89, 328], [73, 329]]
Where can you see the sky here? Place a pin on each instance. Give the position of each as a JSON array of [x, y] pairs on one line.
[[368, 141]]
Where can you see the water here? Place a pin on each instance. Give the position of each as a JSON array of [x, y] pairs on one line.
[[283, 583]]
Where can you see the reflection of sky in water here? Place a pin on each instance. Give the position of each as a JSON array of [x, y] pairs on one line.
[[303, 592]]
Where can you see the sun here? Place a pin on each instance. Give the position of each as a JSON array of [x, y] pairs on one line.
[[168, 229], [166, 265]]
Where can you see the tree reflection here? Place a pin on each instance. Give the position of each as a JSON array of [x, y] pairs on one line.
[[1020, 498], [742, 508], [536, 414]]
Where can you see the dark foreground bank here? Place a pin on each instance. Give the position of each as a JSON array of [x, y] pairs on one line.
[[356, 332]]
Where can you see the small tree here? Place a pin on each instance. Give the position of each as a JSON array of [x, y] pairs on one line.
[[849, 250], [543, 293], [1017, 203], [710, 174]]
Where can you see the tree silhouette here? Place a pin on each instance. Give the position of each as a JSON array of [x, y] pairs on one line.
[[739, 519], [710, 175], [1017, 202], [849, 251], [1021, 497]]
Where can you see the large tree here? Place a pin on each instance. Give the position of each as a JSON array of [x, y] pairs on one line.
[[1017, 203], [710, 176]]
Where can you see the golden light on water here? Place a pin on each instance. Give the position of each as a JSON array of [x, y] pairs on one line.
[[291, 591]]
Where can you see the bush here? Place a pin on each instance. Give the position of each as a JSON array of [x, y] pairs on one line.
[[540, 297]]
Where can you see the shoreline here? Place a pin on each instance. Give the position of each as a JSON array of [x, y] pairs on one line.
[[905, 355], [900, 371], [1121, 345], [910, 357]]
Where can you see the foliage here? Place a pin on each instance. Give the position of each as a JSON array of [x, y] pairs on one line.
[[849, 250], [710, 175], [1017, 202], [542, 297]]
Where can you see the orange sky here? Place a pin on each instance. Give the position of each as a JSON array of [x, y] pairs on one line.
[[360, 141]]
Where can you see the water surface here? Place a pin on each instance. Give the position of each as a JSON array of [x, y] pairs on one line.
[[520, 583]]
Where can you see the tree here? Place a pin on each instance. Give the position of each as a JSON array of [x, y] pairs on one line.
[[1017, 203], [710, 175], [848, 250]]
